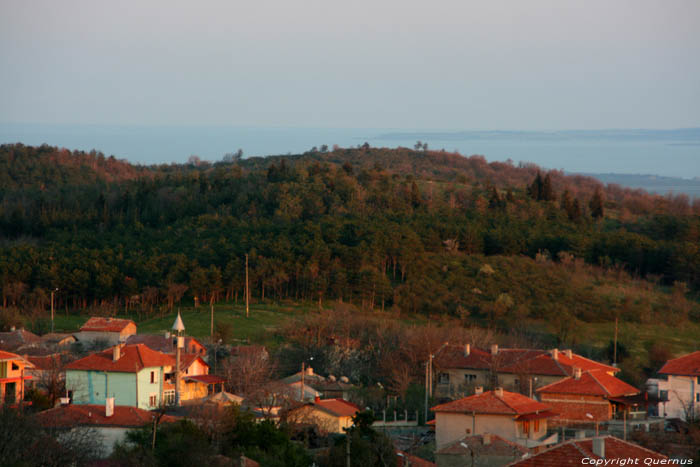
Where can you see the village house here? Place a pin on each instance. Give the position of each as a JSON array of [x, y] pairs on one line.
[[13, 374], [592, 451], [197, 383], [458, 369], [678, 388], [330, 415], [47, 371], [110, 331], [133, 374], [329, 387], [487, 450], [18, 340], [588, 396], [109, 422], [512, 416], [56, 340]]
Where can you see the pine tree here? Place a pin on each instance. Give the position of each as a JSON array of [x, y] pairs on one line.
[[536, 187], [596, 204], [547, 192]]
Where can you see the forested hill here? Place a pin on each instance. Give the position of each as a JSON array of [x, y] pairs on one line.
[[420, 231], [46, 167]]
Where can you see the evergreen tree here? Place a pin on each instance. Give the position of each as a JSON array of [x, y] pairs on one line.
[[596, 204]]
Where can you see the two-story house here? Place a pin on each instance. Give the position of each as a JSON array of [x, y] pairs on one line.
[[458, 369], [13, 374], [133, 374], [509, 415], [679, 387], [588, 396]]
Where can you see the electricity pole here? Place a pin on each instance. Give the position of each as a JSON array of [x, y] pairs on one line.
[[247, 293], [52, 293]]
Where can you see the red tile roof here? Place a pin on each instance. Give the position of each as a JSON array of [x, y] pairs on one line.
[[99, 324], [525, 361], [687, 365], [594, 383], [7, 356], [338, 407], [412, 460], [574, 452], [510, 403], [497, 446], [133, 359], [68, 416], [186, 360], [46, 362]]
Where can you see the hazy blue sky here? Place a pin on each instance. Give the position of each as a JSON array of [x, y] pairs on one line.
[[392, 64]]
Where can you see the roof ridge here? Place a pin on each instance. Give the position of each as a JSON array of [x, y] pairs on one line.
[[599, 383]]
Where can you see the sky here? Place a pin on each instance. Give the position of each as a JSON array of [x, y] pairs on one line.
[[405, 64]]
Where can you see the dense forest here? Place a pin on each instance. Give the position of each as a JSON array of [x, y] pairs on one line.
[[417, 231]]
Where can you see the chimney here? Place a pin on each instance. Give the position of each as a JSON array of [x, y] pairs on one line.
[[487, 439], [494, 349], [569, 354], [599, 446], [577, 373], [116, 352], [167, 335], [109, 406], [467, 350], [498, 392], [478, 390], [317, 400], [555, 354], [12, 329], [309, 371], [64, 400]]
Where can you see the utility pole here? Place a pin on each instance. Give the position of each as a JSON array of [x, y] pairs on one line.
[[615, 345], [247, 293], [347, 450], [301, 389], [211, 303], [52, 293]]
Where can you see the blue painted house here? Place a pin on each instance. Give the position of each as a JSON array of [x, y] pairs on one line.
[[133, 374]]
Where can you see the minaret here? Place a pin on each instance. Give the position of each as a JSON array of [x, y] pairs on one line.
[[179, 329]]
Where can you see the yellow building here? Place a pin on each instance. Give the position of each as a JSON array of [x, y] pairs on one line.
[[12, 377], [330, 415]]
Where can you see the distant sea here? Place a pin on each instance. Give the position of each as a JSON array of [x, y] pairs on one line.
[[666, 153]]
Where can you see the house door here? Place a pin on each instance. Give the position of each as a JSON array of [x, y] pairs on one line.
[[10, 390]]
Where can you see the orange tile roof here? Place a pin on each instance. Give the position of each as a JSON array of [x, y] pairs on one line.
[[574, 452], [412, 460], [525, 361], [13, 340], [510, 403], [67, 416], [99, 324], [595, 383], [164, 344], [687, 365], [6, 356], [46, 362], [187, 359], [338, 407], [133, 359]]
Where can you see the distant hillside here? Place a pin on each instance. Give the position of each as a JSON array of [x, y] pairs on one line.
[[46, 167]]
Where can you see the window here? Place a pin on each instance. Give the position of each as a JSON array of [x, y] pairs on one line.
[[469, 378], [537, 426], [154, 376], [153, 400], [526, 427], [169, 397], [15, 366], [444, 378], [697, 397]]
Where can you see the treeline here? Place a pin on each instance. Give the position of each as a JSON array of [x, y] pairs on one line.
[[368, 226]]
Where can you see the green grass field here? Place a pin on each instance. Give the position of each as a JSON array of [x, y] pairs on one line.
[[265, 319]]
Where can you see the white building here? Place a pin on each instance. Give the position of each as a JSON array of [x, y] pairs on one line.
[[679, 385]]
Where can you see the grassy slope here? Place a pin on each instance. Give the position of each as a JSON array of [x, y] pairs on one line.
[[265, 319]]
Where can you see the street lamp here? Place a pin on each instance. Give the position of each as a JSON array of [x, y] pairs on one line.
[[471, 451], [52, 293]]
